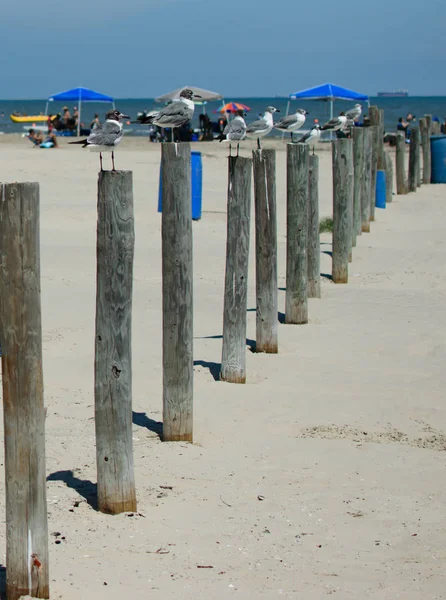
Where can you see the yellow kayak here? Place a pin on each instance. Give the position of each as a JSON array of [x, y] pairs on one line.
[[31, 119]]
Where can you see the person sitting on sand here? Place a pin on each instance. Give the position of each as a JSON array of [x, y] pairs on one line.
[[37, 138], [96, 122]]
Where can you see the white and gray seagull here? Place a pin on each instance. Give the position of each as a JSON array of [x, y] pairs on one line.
[[292, 123], [354, 113], [263, 126], [176, 114], [312, 136], [105, 137], [336, 123], [235, 130]]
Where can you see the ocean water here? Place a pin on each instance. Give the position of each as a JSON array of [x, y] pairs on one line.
[[393, 109]]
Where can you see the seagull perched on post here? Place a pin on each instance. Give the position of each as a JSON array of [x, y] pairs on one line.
[[354, 113], [235, 131], [263, 126], [105, 137], [176, 114], [292, 123], [313, 136], [336, 123]]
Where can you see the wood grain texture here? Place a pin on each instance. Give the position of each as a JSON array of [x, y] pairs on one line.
[[376, 116], [23, 404], [414, 158], [113, 343], [418, 158], [296, 300], [375, 157], [358, 181], [366, 187], [400, 164], [350, 186], [426, 150], [177, 268], [314, 246], [389, 179], [341, 157], [264, 165], [233, 363]]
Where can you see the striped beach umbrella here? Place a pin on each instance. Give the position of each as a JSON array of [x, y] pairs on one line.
[[232, 107]]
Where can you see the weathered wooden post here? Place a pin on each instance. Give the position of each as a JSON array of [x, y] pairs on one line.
[[400, 164], [113, 343], [375, 158], [414, 159], [366, 181], [418, 159], [389, 178], [351, 182], [233, 362], [314, 246], [296, 299], [264, 164], [342, 157], [359, 171], [376, 116], [426, 149], [176, 235], [27, 569]]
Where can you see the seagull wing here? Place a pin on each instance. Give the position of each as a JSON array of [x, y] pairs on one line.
[[259, 125], [106, 134], [175, 111], [235, 127], [289, 120], [306, 137], [331, 123]]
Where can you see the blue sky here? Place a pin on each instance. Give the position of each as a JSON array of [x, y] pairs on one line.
[[143, 48]]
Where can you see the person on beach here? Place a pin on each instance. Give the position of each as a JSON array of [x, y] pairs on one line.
[[96, 122], [443, 126], [37, 138], [66, 115]]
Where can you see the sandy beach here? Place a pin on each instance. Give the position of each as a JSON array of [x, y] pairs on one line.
[[343, 433]]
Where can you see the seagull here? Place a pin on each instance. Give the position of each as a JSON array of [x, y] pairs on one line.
[[105, 137], [336, 123], [235, 131], [176, 114], [354, 113], [263, 126], [313, 136], [292, 123]]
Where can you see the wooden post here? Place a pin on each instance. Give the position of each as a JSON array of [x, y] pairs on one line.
[[176, 235], [389, 179], [359, 172], [350, 186], [296, 299], [264, 163], [366, 181], [375, 157], [429, 123], [314, 247], [414, 157], [27, 569], [342, 157], [418, 154], [426, 149], [113, 343], [233, 362], [400, 164], [376, 116]]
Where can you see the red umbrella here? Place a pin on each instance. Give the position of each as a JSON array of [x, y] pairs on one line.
[[232, 107]]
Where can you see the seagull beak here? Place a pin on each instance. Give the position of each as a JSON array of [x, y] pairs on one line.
[[277, 110], [197, 96], [121, 116]]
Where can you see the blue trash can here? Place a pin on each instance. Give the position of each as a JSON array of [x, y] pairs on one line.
[[438, 159], [196, 184], [380, 197]]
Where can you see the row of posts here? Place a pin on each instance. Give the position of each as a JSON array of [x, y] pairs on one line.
[[356, 162]]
